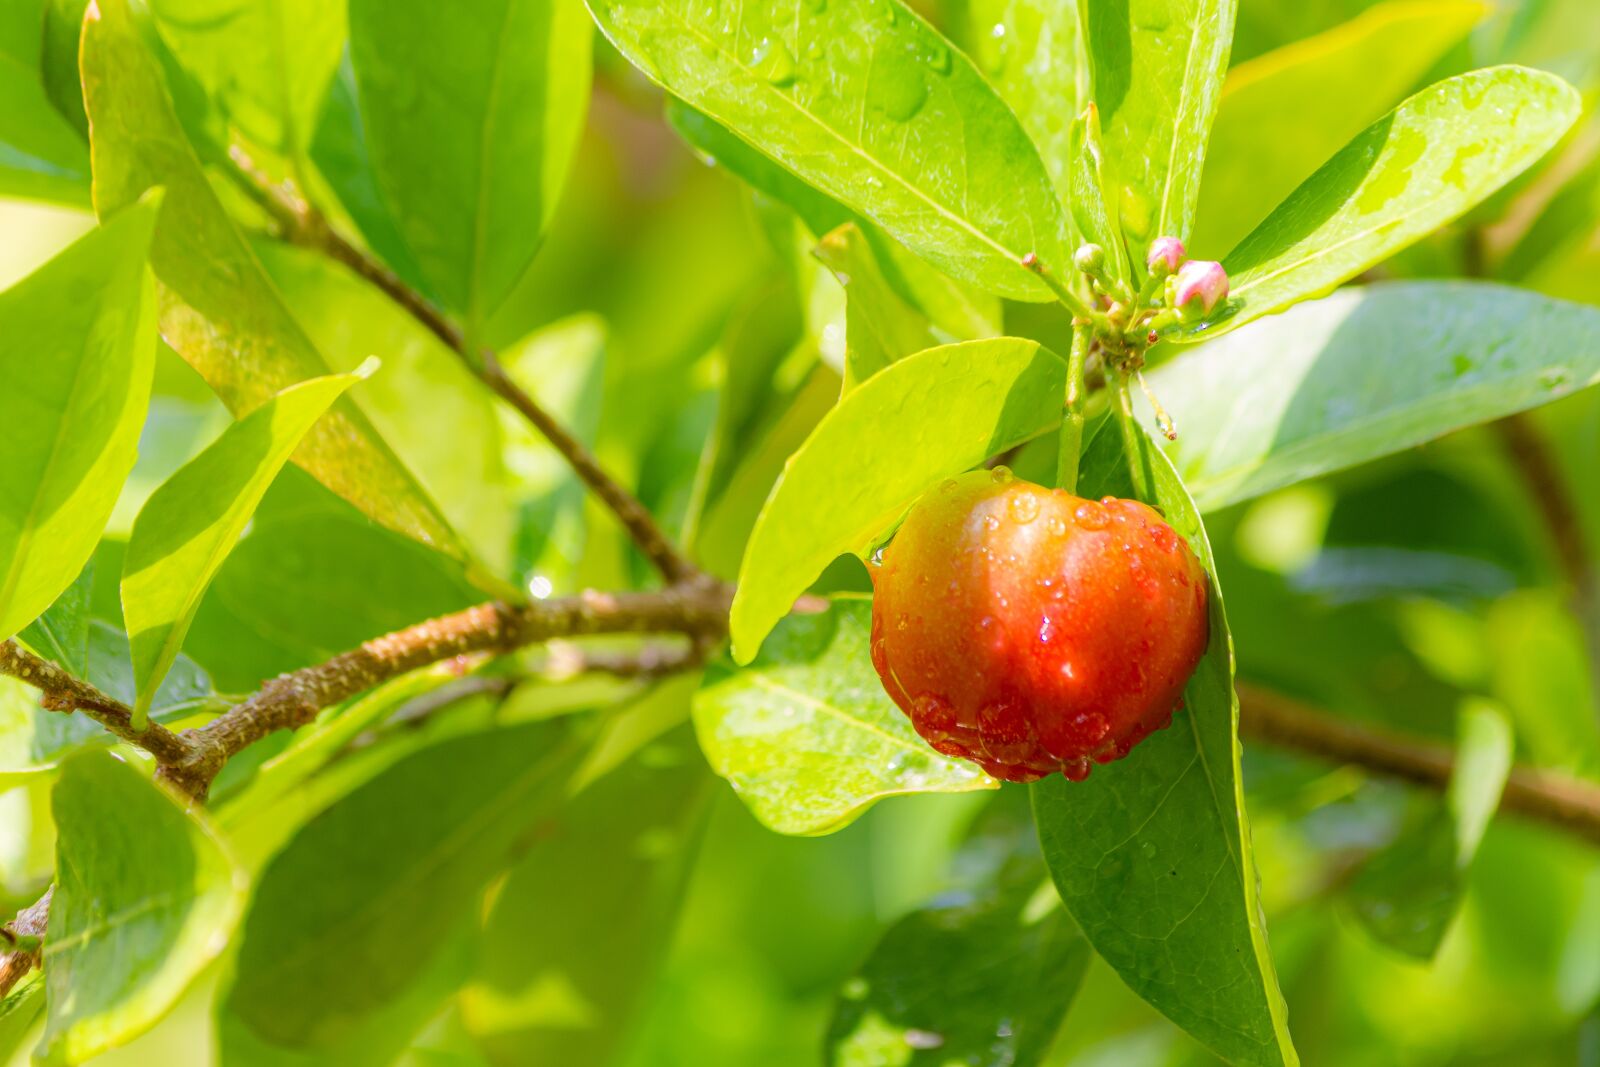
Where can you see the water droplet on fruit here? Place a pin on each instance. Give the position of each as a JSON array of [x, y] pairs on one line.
[[1092, 516], [1001, 474], [903, 622], [991, 522], [1163, 537], [1091, 726], [1058, 526], [1076, 770], [1067, 670], [1046, 631], [933, 714], [1024, 507]]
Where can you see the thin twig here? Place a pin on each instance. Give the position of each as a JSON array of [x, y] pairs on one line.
[[29, 923], [1545, 796], [60, 691], [301, 224]]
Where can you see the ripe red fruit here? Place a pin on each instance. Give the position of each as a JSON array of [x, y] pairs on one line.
[[1032, 631]]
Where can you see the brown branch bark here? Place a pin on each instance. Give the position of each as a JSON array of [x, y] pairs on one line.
[[1549, 797], [30, 922], [60, 691], [301, 224]]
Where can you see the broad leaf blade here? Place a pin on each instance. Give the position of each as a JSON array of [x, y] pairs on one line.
[[1156, 76], [331, 945], [590, 907], [41, 156], [1283, 113], [77, 352], [880, 449], [1365, 373], [1152, 853], [472, 114], [880, 327], [983, 983], [865, 101], [190, 524], [806, 734], [61, 634], [217, 307], [1425, 163], [144, 901], [1408, 893]]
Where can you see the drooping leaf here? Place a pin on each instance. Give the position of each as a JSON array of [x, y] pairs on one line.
[[265, 64], [982, 982], [1423, 164], [185, 692], [929, 416], [1152, 853], [1156, 69], [1365, 373], [586, 914], [190, 524], [1284, 113], [217, 307], [880, 327], [362, 905], [77, 342], [806, 734], [1031, 52], [471, 115], [1408, 893], [145, 898], [865, 101]]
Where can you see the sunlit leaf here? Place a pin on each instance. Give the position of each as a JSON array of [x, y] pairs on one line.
[[1152, 853], [880, 327], [77, 343]]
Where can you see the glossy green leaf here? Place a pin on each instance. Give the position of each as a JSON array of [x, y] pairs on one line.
[[806, 734], [218, 309], [1365, 373], [865, 101], [362, 904], [265, 64], [143, 902], [185, 692], [471, 115], [190, 524], [981, 982], [41, 156], [1156, 69], [1031, 52], [880, 327], [1423, 164], [587, 913], [77, 343], [879, 450], [58, 61], [61, 634], [1152, 853], [1408, 893], [1284, 113]]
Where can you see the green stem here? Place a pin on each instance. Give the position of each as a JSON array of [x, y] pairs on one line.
[[1123, 400], [1072, 411], [1068, 298]]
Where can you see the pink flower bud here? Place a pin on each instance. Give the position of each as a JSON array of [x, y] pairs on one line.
[[1166, 255], [1200, 285]]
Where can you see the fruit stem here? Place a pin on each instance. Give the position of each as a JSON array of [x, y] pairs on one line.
[[1130, 434], [1072, 410], [1068, 298]]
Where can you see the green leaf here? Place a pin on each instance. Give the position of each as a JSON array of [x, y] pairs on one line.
[[19, 1011], [265, 63], [1423, 164], [1031, 51], [61, 634], [578, 930], [1152, 853], [1365, 373], [185, 691], [145, 899], [1156, 69], [76, 357], [190, 524], [806, 734], [58, 62], [880, 327], [931, 415], [1541, 670], [1283, 113], [1087, 188], [41, 156], [218, 309], [977, 982], [359, 908], [1408, 893], [862, 99], [471, 116]]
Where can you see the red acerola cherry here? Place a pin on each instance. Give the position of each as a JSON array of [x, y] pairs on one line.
[[1032, 631]]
